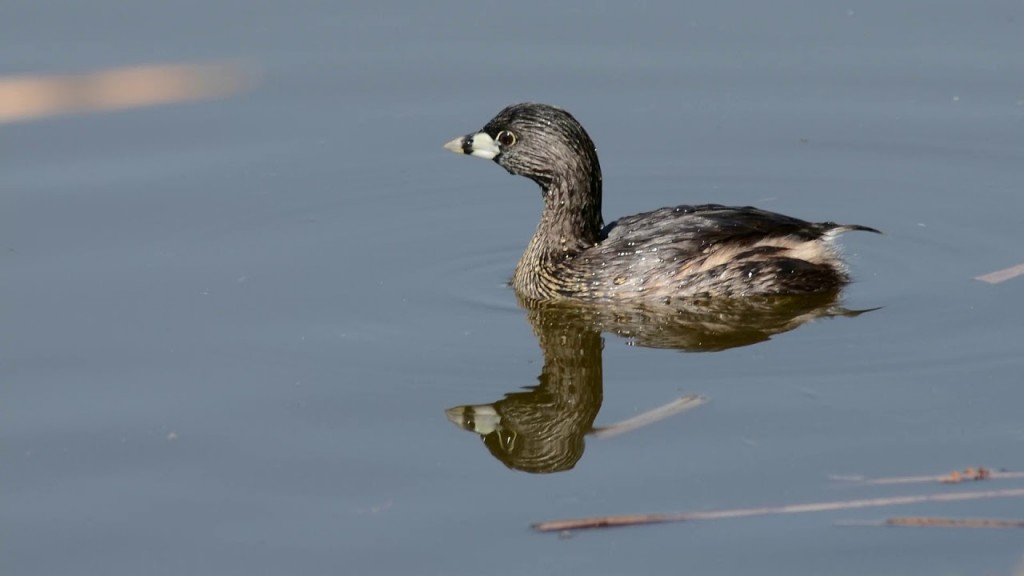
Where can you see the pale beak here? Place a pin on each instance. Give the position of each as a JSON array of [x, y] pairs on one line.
[[482, 419], [480, 145]]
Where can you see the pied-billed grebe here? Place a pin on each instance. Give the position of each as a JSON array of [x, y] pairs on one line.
[[680, 252]]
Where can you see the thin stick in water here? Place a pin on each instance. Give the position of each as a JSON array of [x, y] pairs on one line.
[[956, 477], [1002, 275], [930, 522], [640, 519], [674, 407]]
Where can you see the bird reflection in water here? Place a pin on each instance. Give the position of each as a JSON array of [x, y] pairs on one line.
[[542, 428]]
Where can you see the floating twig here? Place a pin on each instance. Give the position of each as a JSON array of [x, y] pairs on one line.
[[639, 519], [674, 407], [929, 522], [955, 477], [1002, 275]]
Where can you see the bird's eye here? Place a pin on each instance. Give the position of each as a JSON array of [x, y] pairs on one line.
[[506, 138]]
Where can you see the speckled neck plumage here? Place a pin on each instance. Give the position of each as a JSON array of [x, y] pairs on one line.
[[570, 223]]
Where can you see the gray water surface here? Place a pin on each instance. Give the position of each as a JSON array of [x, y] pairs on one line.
[[231, 328]]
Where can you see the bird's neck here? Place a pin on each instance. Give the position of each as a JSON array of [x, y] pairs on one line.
[[571, 220], [570, 223]]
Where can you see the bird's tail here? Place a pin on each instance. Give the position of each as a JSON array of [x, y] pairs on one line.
[[837, 229]]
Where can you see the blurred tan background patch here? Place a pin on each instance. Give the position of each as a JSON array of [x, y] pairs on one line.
[[29, 97]]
